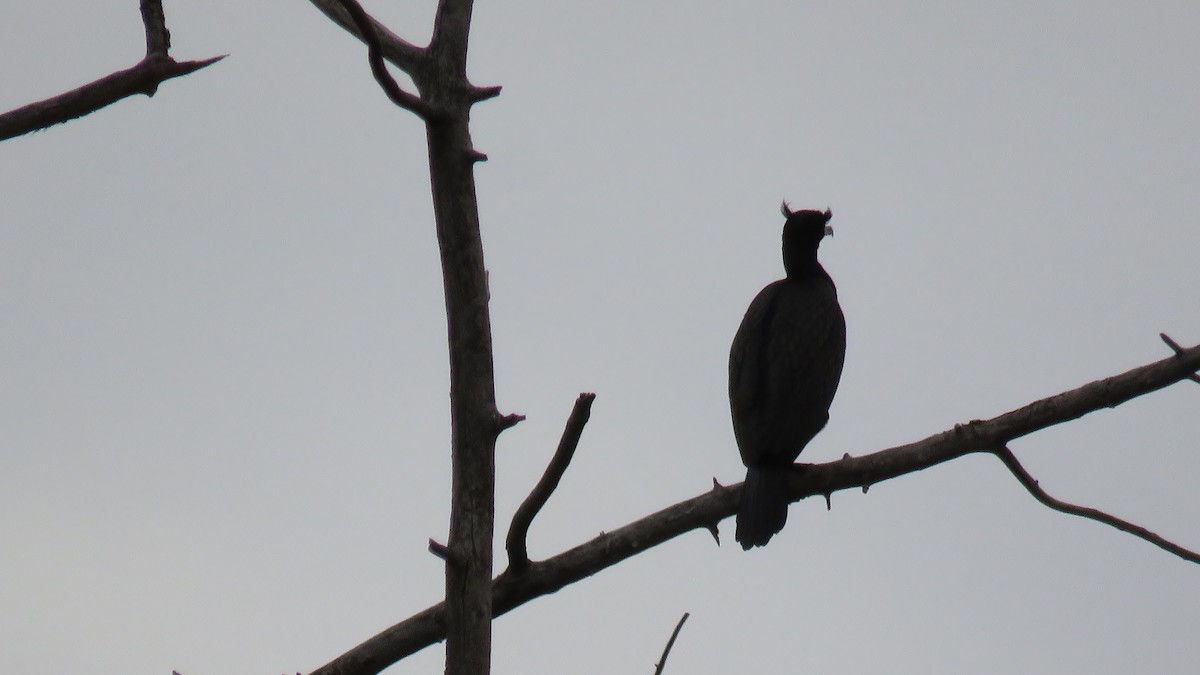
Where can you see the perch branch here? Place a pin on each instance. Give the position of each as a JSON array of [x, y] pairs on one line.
[[518, 553], [548, 576], [662, 662], [143, 78], [1031, 484]]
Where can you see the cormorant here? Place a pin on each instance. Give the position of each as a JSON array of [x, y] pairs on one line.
[[784, 367]]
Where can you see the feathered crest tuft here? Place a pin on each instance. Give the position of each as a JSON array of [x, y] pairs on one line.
[[788, 212]]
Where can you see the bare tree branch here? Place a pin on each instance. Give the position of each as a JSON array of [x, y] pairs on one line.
[[662, 662], [144, 78], [704, 511], [446, 96], [518, 553], [474, 419], [158, 38], [366, 31], [395, 49], [1031, 484]]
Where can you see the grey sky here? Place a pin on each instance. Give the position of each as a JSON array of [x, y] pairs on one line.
[[223, 425]]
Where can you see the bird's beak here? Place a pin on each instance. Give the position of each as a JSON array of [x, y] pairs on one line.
[[828, 230]]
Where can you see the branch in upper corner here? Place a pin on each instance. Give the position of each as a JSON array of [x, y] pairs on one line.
[[662, 662], [410, 102], [144, 78], [403, 54], [518, 552], [1030, 484]]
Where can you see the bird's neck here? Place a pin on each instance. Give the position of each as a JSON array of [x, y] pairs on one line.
[[803, 265]]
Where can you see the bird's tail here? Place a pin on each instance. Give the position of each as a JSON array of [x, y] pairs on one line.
[[763, 508]]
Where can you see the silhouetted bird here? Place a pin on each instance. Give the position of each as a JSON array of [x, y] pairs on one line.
[[784, 369]]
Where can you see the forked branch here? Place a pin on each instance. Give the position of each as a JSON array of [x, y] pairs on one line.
[[144, 78], [366, 29]]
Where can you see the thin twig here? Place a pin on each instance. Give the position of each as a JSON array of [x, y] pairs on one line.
[[143, 78], [662, 662], [394, 91], [1178, 352], [518, 553], [440, 550], [1030, 484], [478, 94], [509, 421]]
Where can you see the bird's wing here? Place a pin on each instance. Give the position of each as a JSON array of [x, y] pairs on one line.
[[747, 356]]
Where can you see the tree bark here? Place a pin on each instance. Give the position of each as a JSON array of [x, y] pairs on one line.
[[473, 416], [475, 421]]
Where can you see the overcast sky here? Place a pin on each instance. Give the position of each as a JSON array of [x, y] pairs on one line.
[[223, 419]]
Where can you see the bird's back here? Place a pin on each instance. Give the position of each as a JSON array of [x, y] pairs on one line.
[[784, 368]]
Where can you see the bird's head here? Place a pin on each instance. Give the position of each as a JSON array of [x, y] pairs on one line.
[[802, 234]]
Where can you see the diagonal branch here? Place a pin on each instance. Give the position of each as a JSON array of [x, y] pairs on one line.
[[518, 553], [1031, 484], [144, 78], [366, 31], [401, 53], [704, 511]]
